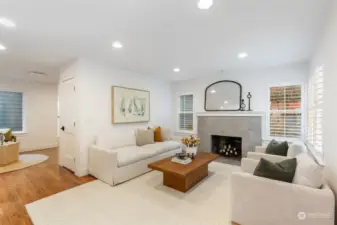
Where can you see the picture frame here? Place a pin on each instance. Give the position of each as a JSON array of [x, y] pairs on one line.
[[130, 105]]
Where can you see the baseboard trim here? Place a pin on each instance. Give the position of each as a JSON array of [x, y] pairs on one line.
[[38, 148]]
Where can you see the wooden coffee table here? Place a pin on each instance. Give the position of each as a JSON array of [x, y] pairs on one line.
[[184, 177]]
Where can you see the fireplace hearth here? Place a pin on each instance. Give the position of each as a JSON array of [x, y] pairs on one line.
[[228, 147]]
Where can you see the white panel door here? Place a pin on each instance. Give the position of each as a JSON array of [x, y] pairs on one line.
[[68, 140]]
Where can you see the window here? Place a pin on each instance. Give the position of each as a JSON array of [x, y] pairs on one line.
[[11, 112], [315, 110], [285, 112], [186, 113]]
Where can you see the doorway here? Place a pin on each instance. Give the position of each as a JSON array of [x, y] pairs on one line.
[[67, 124]]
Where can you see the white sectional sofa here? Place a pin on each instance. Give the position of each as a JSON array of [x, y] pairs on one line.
[[116, 158]]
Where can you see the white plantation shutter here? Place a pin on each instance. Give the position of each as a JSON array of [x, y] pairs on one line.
[[186, 113], [11, 110], [285, 111], [315, 110]]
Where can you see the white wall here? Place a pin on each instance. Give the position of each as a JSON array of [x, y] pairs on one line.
[[94, 82], [93, 90], [327, 55], [40, 113], [255, 81]]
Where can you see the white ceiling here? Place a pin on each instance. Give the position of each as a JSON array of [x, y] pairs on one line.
[[159, 35]]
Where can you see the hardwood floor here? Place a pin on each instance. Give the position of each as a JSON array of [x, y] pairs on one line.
[[21, 187], [31, 184]]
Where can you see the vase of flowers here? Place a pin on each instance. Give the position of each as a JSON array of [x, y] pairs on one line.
[[192, 142]]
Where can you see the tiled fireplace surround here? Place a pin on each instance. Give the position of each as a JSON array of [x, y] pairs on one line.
[[247, 125]]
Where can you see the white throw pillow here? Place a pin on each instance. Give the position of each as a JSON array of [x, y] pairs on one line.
[[144, 137], [116, 140], [308, 172], [166, 134], [296, 149]]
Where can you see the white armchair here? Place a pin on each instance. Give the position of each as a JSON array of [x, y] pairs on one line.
[[257, 200]]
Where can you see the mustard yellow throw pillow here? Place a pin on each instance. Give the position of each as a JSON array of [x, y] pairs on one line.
[[157, 134]]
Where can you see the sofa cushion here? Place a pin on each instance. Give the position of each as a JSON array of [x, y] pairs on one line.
[[116, 140], [281, 171], [133, 154], [276, 148], [308, 172], [162, 147], [144, 137], [169, 146]]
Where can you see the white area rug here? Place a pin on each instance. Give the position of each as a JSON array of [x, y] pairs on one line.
[[143, 200], [24, 161]]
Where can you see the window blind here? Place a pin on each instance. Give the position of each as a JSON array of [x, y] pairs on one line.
[[315, 110], [186, 113], [285, 111], [11, 110]]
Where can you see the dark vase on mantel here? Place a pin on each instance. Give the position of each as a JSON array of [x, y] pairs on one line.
[[243, 105]]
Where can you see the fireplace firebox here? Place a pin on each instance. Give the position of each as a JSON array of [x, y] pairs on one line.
[[229, 147]]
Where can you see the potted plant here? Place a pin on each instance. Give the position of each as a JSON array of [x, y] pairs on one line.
[[192, 142]]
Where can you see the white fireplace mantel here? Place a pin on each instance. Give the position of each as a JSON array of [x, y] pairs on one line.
[[232, 113]]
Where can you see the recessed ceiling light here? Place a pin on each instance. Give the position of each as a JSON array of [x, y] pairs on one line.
[[117, 44], [213, 91], [222, 107], [177, 70], [226, 102], [205, 4], [7, 23], [2, 47], [242, 55]]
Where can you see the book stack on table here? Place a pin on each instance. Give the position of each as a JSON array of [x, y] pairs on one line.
[[182, 161]]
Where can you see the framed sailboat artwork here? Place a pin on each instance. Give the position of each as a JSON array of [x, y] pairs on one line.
[[130, 105]]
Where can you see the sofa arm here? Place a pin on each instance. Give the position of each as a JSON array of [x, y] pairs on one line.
[[102, 163], [272, 158], [258, 200], [261, 149], [249, 165]]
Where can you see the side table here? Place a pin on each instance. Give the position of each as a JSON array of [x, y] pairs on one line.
[[9, 153]]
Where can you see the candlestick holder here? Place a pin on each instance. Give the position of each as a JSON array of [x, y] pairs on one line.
[[249, 96]]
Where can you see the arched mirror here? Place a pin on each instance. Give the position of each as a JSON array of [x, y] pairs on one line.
[[223, 95]]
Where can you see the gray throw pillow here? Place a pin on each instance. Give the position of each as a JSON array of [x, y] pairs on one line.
[[277, 148], [282, 171], [144, 137]]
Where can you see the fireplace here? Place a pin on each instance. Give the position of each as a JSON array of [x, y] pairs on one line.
[[246, 125], [228, 147]]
